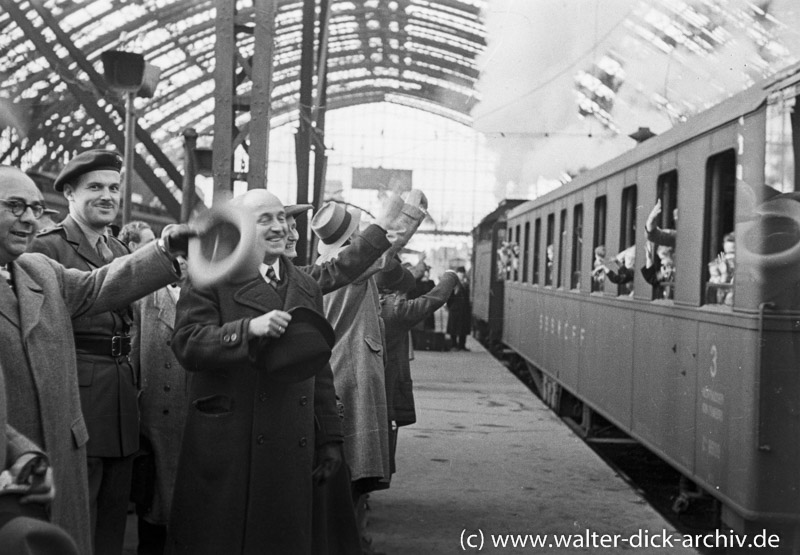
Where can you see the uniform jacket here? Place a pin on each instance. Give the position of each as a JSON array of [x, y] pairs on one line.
[[400, 314], [40, 367], [164, 392], [107, 385], [244, 474], [357, 362], [459, 318]]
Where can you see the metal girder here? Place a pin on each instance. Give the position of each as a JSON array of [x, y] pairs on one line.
[[89, 101], [100, 85], [229, 24]]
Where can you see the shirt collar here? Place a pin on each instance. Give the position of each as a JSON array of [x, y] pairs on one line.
[[276, 267]]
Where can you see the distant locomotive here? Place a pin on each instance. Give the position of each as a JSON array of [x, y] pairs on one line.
[[702, 368]]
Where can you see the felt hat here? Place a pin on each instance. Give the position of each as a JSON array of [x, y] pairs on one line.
[[24, 529], [86, 162], [297, 209], [301, 351], [334, 224], [395, 278]]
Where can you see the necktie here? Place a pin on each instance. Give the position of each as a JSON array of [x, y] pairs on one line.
[[103, 250], [273, 279], [5, 274]]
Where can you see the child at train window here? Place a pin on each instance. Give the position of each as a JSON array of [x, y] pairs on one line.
[[721, 271], [659, 270], [623, 269], [599, 268]]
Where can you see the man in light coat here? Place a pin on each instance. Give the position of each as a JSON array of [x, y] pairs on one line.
[[38, 354]]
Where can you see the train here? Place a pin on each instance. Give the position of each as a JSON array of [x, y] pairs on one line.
[[703, 371]]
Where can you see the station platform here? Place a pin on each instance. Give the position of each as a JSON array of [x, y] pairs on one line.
[[487, 455]]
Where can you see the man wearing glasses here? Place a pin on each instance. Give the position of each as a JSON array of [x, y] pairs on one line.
[[39, 301]]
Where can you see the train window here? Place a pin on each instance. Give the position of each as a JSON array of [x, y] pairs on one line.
[[577, 245], [525, 246], [549, 252], [562, 240], [782, 171], [537, 240], [515, 254], [599, 244], [719, 244], [502, 258], [627, 242], [659, 268]]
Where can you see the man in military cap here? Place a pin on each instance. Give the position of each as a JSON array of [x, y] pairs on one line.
[[91, 184]]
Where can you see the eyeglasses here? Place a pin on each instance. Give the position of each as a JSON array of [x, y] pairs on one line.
[[18, 208]]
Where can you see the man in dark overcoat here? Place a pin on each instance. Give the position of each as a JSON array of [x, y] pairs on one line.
[[38, 354], [459, 318], [91, 184], [244, 481]]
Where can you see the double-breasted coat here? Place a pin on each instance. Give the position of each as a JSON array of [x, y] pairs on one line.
[[357, 362], [38, 359], [107, 384], [164, 392], [244, 475], [400, 314]]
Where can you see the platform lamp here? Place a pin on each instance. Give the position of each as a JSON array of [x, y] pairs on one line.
[[130, 74]]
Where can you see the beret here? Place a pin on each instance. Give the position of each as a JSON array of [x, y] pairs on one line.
[[86, 162], [295, 209]]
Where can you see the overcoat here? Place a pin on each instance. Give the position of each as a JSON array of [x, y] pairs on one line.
[[357, 362], [164, 393], [244, 473], [38, 358], [400, 314], [459, 317], [107, 386]]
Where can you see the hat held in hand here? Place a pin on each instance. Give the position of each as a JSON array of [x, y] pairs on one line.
[[302, 351], [409, 219]]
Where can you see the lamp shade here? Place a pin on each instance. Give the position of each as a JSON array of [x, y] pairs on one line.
[[123, 70]]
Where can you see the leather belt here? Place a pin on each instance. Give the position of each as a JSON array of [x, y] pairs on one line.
[[116, 346]]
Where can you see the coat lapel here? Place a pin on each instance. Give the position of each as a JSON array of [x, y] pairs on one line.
[[31, 298], [75, 236], [9, 305], [259, 295], [297, 293], [166, 307]]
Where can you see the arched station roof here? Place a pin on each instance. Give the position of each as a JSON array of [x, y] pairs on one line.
[[420, 53]]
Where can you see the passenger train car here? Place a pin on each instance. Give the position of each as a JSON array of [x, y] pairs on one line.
[[702, 369]]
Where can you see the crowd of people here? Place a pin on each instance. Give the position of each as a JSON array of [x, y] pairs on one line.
[[252, 415], [659, 269]]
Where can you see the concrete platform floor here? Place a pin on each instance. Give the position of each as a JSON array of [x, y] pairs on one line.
[[486, 454]]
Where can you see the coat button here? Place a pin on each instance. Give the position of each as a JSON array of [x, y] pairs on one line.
[[303, 401], [167, 387], [233, 337], [165, 411], [167, 365], [260, 439], [169, 342], [262, 396], [302, 442]]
